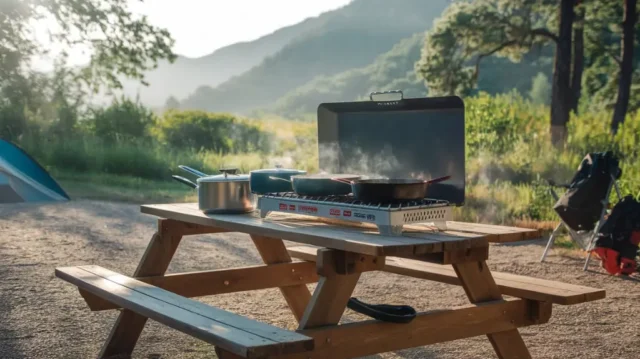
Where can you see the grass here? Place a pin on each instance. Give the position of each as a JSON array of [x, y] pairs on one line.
[[100, 186]]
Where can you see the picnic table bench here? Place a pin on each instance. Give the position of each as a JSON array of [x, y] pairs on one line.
[[334, 255]]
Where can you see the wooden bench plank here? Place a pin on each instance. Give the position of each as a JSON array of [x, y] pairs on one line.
[[509, 284], [308, 230], [239, 335]]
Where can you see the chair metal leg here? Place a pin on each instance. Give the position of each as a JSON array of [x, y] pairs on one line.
[[589, 250], [552, 239], [600, 223]]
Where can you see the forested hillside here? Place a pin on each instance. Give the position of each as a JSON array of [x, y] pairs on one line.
[[351, 37], [186, 74], [394, 70]]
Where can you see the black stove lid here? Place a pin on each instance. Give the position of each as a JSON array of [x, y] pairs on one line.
[[413, 138]]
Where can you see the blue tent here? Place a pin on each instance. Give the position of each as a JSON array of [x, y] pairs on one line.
[[22, 179]]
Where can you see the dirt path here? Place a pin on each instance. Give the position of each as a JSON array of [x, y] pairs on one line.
[[43, 317]]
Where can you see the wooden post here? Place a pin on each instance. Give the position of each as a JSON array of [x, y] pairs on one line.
[[154, 262], [332, 293], [273, 251], [480, 286]]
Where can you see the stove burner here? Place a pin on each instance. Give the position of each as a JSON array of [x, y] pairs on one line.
[[388, 216]]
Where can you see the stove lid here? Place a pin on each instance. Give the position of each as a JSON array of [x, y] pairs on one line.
[[412, 138]]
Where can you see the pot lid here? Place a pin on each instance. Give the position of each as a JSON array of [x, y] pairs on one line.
[[279, 169], [225, 177], [329, 176]]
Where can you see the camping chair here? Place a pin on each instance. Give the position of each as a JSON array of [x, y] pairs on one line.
[[584, 232]]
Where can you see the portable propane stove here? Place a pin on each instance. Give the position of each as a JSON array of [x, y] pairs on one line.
[[388, 217]]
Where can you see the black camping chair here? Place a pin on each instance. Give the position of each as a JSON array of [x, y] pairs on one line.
[[582, 208]]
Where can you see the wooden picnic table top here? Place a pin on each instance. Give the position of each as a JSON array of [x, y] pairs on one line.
[[347, 236]]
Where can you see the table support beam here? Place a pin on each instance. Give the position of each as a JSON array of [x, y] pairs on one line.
[[332, 293], [155, 261], [204, 283], [354, 340], [480, 286], [273, 251]]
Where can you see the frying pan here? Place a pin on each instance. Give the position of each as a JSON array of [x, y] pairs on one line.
[[321, 184], [390, 189]]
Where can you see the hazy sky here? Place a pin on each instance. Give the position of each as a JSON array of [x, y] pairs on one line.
[[201, 26]]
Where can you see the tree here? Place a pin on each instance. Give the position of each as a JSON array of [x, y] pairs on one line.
[[626, 64], [561, 97], [468, 32], [120, 42], [172, 103], [578, 57]]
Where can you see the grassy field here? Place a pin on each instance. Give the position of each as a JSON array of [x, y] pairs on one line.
[[122, 188]]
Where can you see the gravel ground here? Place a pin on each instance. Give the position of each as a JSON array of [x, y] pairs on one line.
[[44, 317]]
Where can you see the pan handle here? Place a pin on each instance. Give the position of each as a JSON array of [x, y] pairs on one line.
[[436, 180], [184, 181], [341, 180], [279, 179], [192, 171]]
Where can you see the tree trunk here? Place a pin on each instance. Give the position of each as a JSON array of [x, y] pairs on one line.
[[561, 89], [578, 61], [626, 65]]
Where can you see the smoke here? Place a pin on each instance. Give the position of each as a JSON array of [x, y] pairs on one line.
[[355, 161], [383, 163]]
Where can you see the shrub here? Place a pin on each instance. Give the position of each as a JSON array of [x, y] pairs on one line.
[[540, 93], [122, 120], [12, 122], [217, 132]]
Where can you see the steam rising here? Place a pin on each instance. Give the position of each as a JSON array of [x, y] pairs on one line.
[[370, 165]]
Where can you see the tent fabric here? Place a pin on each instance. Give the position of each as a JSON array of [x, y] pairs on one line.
[[7, 193], [22, 179]]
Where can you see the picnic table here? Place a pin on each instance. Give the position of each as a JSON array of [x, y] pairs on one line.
[[334, 255]]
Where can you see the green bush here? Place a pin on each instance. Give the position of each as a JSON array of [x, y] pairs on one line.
[[217, 132], [540, 93], [122, 120], [13, 122], [71, 155]]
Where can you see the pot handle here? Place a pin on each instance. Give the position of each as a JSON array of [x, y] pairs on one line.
[[184, 181], [192, 171], [341, 180], [279, 179], [230, 170], [436, 180]]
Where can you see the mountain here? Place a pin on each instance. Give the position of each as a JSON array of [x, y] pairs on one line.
[[395, 70], [186, 74], [347, 38], [390, 71]]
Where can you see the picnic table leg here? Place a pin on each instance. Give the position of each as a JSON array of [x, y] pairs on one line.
[[273, 251], [154, 262], [332, 293], [480, 286]]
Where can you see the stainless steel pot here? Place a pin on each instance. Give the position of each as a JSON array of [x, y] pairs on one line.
[[226, 193]]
